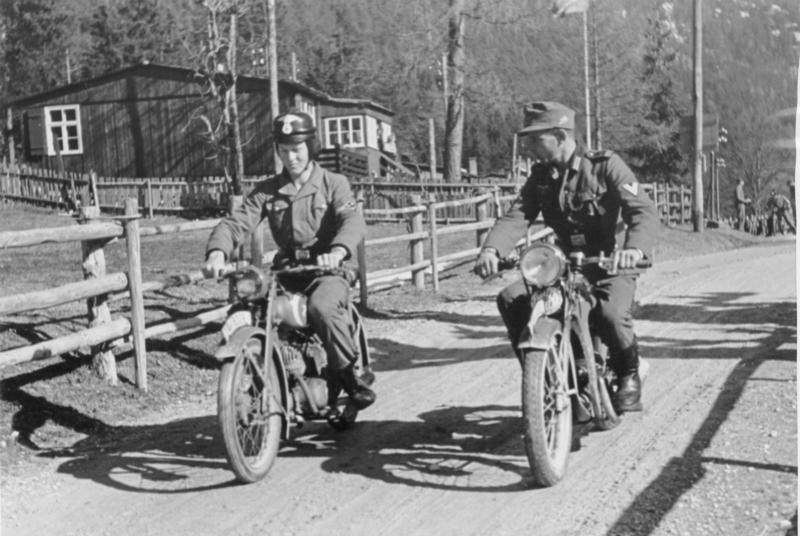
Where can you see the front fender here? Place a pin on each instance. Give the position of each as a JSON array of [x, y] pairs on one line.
[[537, 336], [231, 348]]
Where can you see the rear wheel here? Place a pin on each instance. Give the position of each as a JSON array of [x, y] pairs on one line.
[[249, 412], [546, 412]]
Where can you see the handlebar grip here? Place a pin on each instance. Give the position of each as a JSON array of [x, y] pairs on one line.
[[644, 263]]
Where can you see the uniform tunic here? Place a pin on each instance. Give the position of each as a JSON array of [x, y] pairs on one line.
[[305, 223], [583, 204]]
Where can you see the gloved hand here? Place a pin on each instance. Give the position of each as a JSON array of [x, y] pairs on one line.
[[215, 264], [486, 263]]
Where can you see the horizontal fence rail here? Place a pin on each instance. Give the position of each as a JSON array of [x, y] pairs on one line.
[[107, 336], [210, 195]]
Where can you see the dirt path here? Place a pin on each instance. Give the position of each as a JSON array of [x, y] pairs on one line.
[[714, 452]]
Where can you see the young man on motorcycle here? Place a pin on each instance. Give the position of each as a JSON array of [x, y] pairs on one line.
[[581, 195], [313, 219]]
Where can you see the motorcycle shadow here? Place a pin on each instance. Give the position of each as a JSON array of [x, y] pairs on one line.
[[458, 448], [180, 456]]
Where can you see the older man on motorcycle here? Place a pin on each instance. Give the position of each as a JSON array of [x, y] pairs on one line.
[[581, 195], [313, 219]]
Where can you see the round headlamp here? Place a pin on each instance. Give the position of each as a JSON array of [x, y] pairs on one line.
[[249, 284], [541, 264]]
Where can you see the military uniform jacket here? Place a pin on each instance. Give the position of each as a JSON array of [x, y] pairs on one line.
[[318, 216], [583, 205]]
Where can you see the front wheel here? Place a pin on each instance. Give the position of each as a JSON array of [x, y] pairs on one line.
[[248, 408], [546, 412]]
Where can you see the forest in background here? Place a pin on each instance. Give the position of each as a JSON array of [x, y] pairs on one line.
[[515, 52]]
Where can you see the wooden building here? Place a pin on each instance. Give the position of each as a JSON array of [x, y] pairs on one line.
[[149, 121]]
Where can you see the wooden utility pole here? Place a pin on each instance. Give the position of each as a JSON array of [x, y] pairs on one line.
[[454, 127], [586, 106], [445, 83], [272, 56], [697, 101], [432, 147], [598, 117], [236, 136]]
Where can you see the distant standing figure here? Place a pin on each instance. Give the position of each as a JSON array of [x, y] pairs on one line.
[[741, 205], [792, 200], [780, 209]]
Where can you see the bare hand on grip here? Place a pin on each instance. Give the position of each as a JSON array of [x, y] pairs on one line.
[[215, 264], [486, 264]]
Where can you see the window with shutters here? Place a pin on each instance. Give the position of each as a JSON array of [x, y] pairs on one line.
[[62, 126], [344, 131]]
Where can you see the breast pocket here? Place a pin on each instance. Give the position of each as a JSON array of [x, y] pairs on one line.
[[319, 208]]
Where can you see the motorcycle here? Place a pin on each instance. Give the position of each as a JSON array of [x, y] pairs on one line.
[[274, 368], [565, 373]]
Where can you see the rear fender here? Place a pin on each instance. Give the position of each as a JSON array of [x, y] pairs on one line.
[[234, 345]]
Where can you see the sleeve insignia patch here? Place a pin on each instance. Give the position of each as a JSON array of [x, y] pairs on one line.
[[632, 187]]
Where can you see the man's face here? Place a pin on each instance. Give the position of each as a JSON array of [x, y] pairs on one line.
[[294, 157], [545, 146]]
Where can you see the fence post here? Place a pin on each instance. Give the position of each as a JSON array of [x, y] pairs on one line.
[[498, 206], [135, 286], [257, 246], [417, 245], [94, 266], [434, 242], [361, 255], [481, 214], [683, 204], [150, 199]]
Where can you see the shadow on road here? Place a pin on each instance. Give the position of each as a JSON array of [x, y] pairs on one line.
[[771, 325], [453, 448], [174, 457]]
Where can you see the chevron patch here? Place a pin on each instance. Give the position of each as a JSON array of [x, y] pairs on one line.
[[632, 187]]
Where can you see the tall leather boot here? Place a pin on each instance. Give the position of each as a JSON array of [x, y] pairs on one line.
[[359, 392], [628, 396]]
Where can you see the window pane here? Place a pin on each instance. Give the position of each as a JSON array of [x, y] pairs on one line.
[[356, 123], [333, 125], [72, 131], [69, 114], [345, 138], [332, 140], [72, 143], [55, 116], [357, 137]]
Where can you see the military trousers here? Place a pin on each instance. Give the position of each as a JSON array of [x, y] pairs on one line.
[[612, 315], [329, 316]]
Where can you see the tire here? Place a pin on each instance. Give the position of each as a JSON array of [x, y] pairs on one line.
[[547, 415], [251, 429]]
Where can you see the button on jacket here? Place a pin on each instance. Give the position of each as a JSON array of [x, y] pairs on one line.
[[318, 216], [582, 204]]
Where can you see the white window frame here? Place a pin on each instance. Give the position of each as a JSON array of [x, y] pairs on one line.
[[63, 125], [339, 131], [310, 108]]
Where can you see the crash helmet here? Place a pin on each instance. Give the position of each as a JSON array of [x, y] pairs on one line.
[[294, 127]]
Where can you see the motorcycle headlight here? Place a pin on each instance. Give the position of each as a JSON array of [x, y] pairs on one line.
[[248, 284], [542, 264]]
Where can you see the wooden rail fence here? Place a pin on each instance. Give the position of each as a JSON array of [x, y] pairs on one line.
[[107, 336], [210, 195]]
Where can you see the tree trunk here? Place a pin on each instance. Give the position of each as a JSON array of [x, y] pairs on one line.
[[454, 127]]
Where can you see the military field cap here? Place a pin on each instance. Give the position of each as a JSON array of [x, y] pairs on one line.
[[293, 127], [546, 115]]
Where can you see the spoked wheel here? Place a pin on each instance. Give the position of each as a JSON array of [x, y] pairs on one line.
[[546, 412], [248, 407]]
